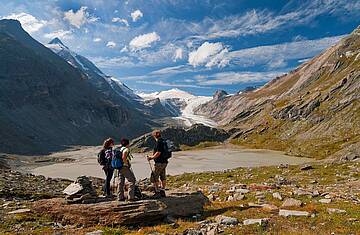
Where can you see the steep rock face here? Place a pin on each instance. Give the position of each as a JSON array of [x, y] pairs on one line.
[[191, 136], [46, 104], [312, 111]]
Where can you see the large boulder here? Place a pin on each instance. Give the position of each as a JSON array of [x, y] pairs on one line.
[[122, 213]]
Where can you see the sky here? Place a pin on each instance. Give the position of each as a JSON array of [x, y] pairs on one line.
[[195, 45]]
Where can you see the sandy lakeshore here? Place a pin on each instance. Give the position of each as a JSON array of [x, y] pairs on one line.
[[213, 159]]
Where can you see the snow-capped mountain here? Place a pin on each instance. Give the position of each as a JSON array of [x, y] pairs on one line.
[[107, 84], [181, 105]]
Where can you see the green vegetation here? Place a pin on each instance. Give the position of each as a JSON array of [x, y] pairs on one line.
[[202, 145]]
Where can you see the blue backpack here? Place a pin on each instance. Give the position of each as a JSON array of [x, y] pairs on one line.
[[117, 161]]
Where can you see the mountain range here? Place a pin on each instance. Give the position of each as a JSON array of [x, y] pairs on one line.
[[48, 103], [312, 111]]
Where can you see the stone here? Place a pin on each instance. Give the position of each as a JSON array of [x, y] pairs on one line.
[[277, 195], [97, 232], [302, 192], [325, 200], [242, 190], [239, 196], [111, 213], [72, 189], [256, 221], [230, 198], [19, 211], [335, 211], [288, 213], [221, 219], [306, 167], [270, 208], [328, 196], [211, 197], [291, 202]]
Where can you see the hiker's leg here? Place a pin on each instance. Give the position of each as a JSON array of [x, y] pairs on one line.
[[155, 180], [121, 186], [163, 176], [131, 179], [109, 174]]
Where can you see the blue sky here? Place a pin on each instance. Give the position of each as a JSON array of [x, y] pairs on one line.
[[198, 46]]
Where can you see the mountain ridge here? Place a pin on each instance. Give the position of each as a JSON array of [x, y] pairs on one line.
[[312, 111]]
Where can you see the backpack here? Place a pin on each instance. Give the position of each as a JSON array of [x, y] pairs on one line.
[[169, 147], [104, 156], [116, 160]]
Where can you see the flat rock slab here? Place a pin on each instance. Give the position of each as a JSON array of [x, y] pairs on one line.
[[122, 213]]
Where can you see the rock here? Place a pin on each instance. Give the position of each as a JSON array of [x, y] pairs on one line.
[[19, 211], [302, 192], [97, 232], [256, 221], [335, 211], [221, 219], [214, 189], [230, 199], [242, 190], [120, 213], [328, 196], [325, 200], [192, 231], [211, 197], [72, 189], [306, 167], [287, 213], [261, 187], [239, 196], [277, 195], [269, 208], [291, 202], [81, 191]]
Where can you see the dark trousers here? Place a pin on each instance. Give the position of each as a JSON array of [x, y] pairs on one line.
[[109, 174]]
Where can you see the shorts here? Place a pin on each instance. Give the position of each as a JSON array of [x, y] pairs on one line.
[[159, 171]]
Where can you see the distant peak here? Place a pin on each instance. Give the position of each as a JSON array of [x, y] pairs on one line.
[[220, 94], [57, 41], [10, 23]]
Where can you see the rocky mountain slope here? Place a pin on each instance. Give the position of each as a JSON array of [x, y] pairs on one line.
[[313, 110], [47, 104]]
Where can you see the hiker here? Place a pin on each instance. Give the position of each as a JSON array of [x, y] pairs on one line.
[[126, 172], [104, 159], [161, 162]]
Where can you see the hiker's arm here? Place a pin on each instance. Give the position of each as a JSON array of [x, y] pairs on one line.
[[156, 155], [124, 154]]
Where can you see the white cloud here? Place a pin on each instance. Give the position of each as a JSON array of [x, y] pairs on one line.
[[172, 70], [97, 40], [167, 84], [136, 15], [143, 41], [63, 34], [111, 44], [124, 49], [120, 20], [29, 22], [178, 54], [230, 78], [275, 56], [209, 54], [79, 17], [112, 63]]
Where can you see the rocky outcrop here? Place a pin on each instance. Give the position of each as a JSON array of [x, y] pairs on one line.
[[123, 213], [191, 136], [311, 111]]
